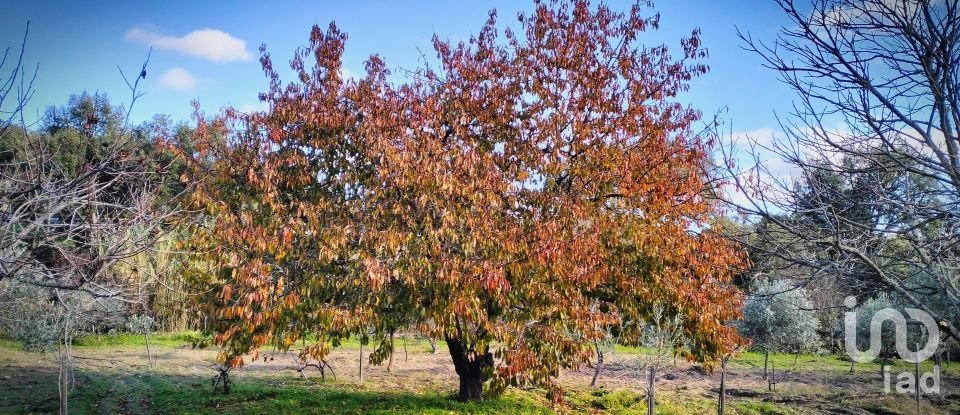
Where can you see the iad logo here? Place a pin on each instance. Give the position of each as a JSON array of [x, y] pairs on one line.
[[906, 381]]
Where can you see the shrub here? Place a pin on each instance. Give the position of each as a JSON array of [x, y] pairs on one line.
[[30, 316], [780, 318]]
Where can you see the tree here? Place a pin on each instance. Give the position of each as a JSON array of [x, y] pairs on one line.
[[68, 229], [865, 313], [874, 145], [661, 337], [85, 114], [779, 317], [521, 198]]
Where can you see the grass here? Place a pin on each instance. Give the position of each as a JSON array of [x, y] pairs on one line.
[[830, 364], [180, 383], [748, 360], [120, 393], [761, 408], [135, 340], [308, 397], [628, 402]]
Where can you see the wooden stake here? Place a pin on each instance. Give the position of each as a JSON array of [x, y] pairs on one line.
[[651, 400], [766, 360], [916, 381], [772, 381], [723, 385]]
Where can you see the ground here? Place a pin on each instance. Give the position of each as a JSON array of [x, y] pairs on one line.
[[113, 376]]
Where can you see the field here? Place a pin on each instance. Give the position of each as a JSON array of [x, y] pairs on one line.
[[114, 377]]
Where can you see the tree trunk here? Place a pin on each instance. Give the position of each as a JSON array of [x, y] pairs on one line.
[[766, 360], [596, 370], [470, 368], [390, 362], [225, 378]]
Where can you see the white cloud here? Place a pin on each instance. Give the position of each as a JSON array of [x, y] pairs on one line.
[[253, 107], [761, 136], [871, 12], [210, 44], [178, 79]]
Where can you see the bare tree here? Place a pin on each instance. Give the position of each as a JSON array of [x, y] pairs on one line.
[[870, 196], [74, 234], [16, 88]]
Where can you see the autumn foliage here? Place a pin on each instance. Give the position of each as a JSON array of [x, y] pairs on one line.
[[525, 194]]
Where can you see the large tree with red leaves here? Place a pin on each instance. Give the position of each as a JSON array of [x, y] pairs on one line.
[[530, 192]]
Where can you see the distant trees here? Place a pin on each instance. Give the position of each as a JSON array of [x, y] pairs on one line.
[[90, 116], [873, 143], [533, 191]]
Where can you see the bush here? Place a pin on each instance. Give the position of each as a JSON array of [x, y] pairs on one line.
[[33, 316], [30, 316], [865, 314], [780, 318], [140, 324]]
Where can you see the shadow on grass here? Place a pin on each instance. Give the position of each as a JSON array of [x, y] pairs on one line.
[[119, 392]]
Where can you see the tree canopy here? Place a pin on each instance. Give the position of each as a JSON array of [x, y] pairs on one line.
[[525, 194]]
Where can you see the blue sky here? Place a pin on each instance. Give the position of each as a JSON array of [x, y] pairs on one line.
[[209, 52]]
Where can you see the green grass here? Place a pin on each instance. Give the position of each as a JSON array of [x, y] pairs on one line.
[[627, 402], [137, 340], [760, 408], [829, 363], [9, 344], [28, 385], [119, 392]]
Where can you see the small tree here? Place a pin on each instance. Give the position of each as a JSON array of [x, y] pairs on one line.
[[888, 331], [865, 313], [662, 336], [778, 317], [142, 324]]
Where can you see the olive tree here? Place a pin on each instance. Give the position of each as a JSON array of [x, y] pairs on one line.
[[780, 318]]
